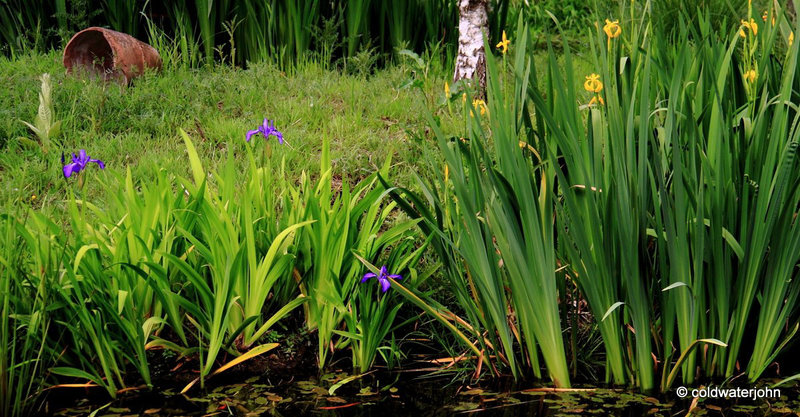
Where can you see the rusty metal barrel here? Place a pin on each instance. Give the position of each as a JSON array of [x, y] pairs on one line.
[[109, 54]]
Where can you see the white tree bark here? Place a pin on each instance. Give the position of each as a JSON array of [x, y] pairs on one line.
[[471, 60]]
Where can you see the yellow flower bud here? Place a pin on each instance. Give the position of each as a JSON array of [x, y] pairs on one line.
[[750, 76], [480, 105], [597, 99], [593, 83]]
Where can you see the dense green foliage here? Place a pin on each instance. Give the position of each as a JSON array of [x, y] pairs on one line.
[[348, 34], [241, 30], [214, 259], [720, 13], [659, 186], [675, 194]]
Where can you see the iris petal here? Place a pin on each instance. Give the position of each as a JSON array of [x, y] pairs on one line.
[[99, 163], [69, 169], [385, 284], [250, 133], [367, 276]]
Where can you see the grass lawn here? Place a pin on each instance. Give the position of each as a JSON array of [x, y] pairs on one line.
[[136, 127]]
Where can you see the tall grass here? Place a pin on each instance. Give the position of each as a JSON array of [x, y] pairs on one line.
[[494, 228], [280, 31], [670, 195], [21, 24], [27, 328], [348, 228], [123, 15], [606, 200], [723, 13], [663, 201], [203, 266]]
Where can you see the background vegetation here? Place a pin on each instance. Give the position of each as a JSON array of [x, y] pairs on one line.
[[332, 32], [243, 30]]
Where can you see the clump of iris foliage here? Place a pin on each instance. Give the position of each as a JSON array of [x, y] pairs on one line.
[[666, 191], [213, 258]]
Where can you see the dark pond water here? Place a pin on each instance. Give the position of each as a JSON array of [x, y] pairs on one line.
[[340, 394]]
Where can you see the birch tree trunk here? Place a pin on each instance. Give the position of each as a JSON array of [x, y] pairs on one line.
[[472, 25]]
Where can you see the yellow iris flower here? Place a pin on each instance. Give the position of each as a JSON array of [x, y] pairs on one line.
[[752, 25], [593, 83], [504, 44], [612, 29]]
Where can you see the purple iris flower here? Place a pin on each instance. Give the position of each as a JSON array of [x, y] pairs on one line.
[[79, 163], [383, 278], [266, 129]]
